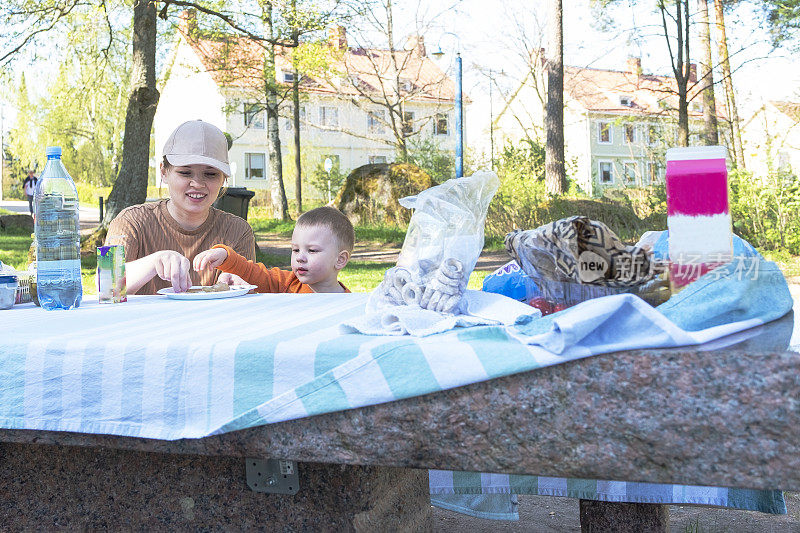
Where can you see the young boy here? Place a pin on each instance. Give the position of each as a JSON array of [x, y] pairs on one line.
[[322, 242]]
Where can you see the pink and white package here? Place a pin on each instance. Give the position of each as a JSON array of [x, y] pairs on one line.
[[698, 213]]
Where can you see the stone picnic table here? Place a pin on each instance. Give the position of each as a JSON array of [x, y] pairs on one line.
[[725, 414]]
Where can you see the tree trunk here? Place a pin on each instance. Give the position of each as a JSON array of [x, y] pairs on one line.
[[710, 131], [398, 104], [280, 205], [554, 117], [727, 84], [130, 187], [298, 182], [680, 64]]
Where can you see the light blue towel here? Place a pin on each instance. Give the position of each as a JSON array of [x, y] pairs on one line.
[[748, 288]]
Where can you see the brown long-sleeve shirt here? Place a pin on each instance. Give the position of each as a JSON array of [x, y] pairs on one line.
[[148, 228]]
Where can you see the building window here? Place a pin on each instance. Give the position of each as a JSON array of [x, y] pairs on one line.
[[652, 134], [254, 166], [329, 116], [408, 123], [374, 159], [375, 121], [630, 133], [626, 101], [604, 132], [288, 125], [288, 77], [440, 124], [606, 172], [629, 173], [253, 116]]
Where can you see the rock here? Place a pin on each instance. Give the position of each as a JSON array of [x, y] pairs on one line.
[[371, 192], [16, 221]]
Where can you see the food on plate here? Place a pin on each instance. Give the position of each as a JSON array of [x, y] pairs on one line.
[[217, 287]]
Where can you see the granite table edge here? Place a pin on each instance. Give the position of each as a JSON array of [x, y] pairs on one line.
[[729, 417]]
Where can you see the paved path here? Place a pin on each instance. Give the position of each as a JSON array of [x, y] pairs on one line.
[[89, 216]]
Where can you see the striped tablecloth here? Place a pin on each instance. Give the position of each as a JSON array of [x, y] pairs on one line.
[[169, 369]]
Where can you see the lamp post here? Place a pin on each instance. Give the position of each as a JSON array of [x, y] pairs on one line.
[[459, 118]]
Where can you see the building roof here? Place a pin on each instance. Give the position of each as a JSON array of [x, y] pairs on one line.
[[628, 92], [790, 109], [237, 62]]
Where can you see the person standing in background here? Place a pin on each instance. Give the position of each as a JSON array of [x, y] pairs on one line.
[[29, 185]]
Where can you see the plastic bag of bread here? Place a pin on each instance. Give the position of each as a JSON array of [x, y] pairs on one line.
[[442, 245]]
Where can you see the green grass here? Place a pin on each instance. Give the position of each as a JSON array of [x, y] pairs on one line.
[[788, 263], [7, 212], [14, 245], [381, 234], [268, 225]]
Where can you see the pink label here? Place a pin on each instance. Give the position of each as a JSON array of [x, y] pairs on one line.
[[697, 187], [681, 275]]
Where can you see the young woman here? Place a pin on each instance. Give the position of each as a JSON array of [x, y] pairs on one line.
[[161, 238]]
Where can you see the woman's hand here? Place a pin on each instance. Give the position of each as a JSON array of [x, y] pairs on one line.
[[168, 265], [210, 259], [173, 267]]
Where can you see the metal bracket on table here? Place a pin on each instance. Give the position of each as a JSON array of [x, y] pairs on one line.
[[272, 476]]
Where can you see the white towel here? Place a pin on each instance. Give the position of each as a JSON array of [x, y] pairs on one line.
[[477, 308]]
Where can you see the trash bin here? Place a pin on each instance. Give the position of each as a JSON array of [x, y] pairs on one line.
[[235, 201]]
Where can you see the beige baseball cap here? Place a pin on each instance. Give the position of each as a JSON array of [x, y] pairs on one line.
[[198, 143]]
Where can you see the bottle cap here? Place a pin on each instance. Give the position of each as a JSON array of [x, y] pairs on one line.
[[53, 151]]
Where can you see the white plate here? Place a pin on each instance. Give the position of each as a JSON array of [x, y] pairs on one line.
[[236, 290]]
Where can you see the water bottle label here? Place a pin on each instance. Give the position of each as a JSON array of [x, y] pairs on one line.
[[67, 265], [69, 203]]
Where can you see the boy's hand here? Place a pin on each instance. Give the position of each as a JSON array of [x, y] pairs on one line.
[[231, 279], [210, 259]]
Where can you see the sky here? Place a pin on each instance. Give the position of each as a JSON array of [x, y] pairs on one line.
[[489, 34]]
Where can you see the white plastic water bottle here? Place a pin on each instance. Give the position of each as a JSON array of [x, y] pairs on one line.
[[58, 259]]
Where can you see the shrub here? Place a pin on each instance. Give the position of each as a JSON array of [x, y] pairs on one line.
[[522, 201], [327, 183], [765, 211], [427, 154]]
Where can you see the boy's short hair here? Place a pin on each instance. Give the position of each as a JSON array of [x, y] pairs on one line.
[[334, 220]]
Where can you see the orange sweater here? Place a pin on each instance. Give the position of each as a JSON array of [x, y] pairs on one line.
[[270, 280]]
